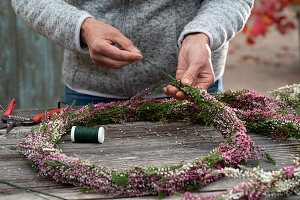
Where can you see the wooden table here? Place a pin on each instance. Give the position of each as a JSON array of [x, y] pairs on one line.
[[127, 145]]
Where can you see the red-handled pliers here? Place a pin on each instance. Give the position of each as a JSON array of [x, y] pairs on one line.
[[11, 120]]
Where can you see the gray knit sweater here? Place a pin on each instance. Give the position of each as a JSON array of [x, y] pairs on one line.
[[156, 27]]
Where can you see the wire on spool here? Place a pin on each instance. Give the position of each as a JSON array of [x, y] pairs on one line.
[[87, 134]]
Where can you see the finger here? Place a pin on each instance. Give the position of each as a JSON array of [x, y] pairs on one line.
[[168, 91], [180, 96], [115, 53], [108, 62], [173, 90], [126, 44], [165, 89]]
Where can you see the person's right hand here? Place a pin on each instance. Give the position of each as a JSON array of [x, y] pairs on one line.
[[101, 38]]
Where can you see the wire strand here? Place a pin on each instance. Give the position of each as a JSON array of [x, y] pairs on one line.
[[29, 189]]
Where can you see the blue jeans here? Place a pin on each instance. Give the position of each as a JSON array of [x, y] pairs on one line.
[[83, 99]]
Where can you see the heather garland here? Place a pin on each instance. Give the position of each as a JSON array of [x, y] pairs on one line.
[[262, 114], [289, 94], [40, 144], [260, 184]]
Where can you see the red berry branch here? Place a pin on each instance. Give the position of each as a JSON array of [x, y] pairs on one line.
[[268, 13]]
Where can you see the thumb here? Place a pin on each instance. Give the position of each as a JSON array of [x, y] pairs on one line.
[[189, 76]]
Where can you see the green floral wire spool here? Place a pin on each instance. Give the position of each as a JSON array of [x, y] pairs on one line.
[[39, 145], [87, 134]]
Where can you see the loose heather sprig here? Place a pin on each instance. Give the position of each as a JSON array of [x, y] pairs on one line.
[[159, 69]]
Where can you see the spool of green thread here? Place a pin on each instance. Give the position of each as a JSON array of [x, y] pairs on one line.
[[87, 134]]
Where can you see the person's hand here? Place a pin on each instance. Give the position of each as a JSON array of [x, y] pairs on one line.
[[101, 39], [194, 65]]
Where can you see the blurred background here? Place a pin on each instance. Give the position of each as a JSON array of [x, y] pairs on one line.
[[264, 56]]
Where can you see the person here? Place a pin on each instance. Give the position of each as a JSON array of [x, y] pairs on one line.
[[106, 41]]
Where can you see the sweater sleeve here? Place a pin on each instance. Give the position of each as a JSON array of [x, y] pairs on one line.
[[220, 20], [54, 19]]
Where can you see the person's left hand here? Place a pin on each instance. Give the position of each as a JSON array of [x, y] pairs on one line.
[[194, 65]]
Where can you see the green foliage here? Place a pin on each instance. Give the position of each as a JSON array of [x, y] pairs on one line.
[[229, 139], [201, 118], [73, 180], [33, 128], [31, 162], [259, 126], [220, 198], [92, 166], [174, 167], [177, 194], [113, 115], [13, 148], [91, 107], [256, 162], [213, 159], [289, 94], [157, 85], [56, 163], [86, 190], [151, 171], [20, 154], [269, 126], [73, 103], [45, 108], [243, 162], [119, 179], [162, 195], [152, 111], [192, 187], [162, 180], [274, 190], [272, 160], [56, 140]]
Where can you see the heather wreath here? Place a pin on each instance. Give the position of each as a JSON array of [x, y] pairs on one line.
[[229, 113]]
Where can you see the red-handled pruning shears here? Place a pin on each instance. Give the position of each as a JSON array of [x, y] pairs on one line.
[[11, 120]]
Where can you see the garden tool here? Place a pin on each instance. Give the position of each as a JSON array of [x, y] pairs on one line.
[[13, 120]]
